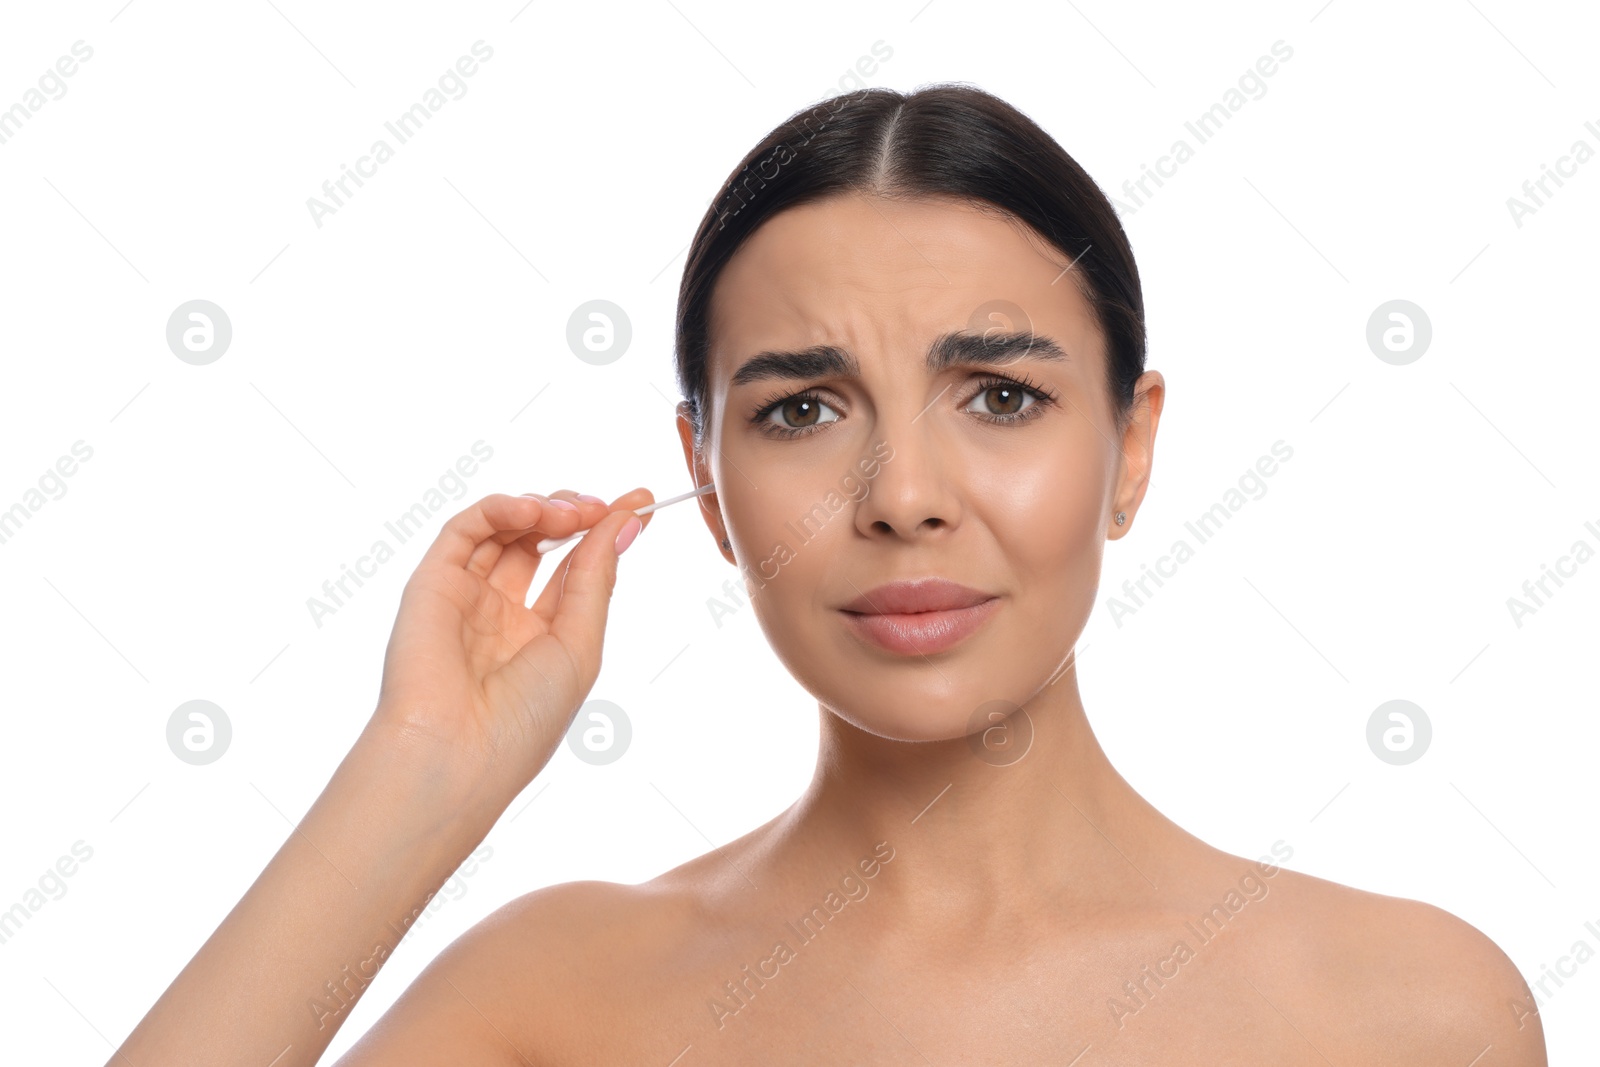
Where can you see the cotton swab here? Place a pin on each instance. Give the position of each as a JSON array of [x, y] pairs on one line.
[[556, 542]]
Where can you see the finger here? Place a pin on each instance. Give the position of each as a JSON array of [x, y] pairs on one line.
[[498, 513], [550, 597], [487, 554], [514, 565], [588, 579]]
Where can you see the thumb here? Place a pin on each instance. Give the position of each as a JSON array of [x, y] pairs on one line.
[[589, 577]]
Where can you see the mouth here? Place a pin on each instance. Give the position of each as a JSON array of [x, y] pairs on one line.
[[919, 617]]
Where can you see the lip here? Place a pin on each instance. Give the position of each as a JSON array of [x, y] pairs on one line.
[[908, 597], [919, 617]]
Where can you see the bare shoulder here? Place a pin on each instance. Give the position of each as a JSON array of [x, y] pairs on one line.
[[1406, 981], [536, 981], [574, 973], [587, 925], [572, 960]]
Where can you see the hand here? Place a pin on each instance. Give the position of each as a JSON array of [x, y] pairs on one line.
[[487, 686]]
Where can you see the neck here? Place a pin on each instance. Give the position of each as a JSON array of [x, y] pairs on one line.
[[1009, 825]]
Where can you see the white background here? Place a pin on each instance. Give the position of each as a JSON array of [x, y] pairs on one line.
[[430, 312]]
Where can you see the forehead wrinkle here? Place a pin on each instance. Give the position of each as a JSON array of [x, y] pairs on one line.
[[818, 274], [949, 349]]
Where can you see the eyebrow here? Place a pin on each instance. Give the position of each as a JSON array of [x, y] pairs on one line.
[[948, 350]]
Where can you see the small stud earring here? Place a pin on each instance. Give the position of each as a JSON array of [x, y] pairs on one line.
[[1122, 517], [725, 544]]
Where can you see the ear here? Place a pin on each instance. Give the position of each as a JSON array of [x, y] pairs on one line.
[[700, 474], [1138, 450]]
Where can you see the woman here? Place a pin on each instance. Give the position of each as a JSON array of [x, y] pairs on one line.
[[911, 338]]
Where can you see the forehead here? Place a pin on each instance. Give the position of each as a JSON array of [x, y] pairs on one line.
[[875, 274]]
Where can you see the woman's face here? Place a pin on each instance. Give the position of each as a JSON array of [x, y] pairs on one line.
[[903, 390]]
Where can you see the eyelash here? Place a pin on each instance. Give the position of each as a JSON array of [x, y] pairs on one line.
[[1043, 398]]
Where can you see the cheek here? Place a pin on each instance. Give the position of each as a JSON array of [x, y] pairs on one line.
[[790, 536], [1046, 506], [785, 541], [1047, 518]]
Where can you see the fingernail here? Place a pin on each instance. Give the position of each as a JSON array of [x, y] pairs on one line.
[[564, 505], [586, 498], [626, 535]]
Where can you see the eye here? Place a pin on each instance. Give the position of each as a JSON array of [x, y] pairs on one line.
[[794, 415], [1005, 400]]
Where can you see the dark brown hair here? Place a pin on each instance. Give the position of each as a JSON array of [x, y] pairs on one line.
[[942, 140]]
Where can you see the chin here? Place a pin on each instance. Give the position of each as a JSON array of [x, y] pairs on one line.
[[911, 698], [901, 721], [900, 709]]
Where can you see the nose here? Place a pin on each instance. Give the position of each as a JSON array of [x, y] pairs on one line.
[[915, 493]]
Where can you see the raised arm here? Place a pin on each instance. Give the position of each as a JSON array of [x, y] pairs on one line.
[[477, 692]]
